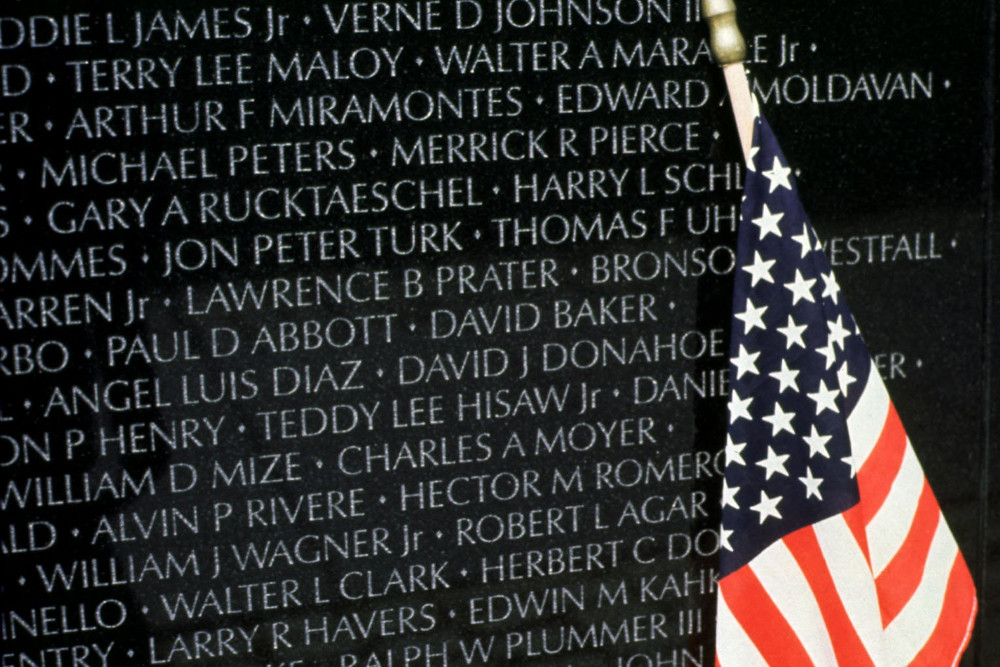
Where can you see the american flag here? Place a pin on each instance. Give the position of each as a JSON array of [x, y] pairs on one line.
[[834, 550]]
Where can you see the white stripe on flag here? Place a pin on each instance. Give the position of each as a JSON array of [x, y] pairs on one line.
[[853, 580], [784, 582], [892, 522], [910, 630], [733, 646], [868, 417]]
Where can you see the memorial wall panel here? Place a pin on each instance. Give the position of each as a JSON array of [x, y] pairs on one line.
[[386, 334]]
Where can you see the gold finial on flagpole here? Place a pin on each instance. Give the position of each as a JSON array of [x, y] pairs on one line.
[[730, 49], [728, 45]]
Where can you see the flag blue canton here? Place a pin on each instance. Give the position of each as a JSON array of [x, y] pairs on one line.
[[798, 366]]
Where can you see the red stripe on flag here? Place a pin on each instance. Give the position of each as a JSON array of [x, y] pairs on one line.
[[855, 520], [761, 620], [901, 577], [846, 644], [954, 628], [876, 476]]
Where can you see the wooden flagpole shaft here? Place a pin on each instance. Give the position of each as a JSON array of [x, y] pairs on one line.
[[729, 50]]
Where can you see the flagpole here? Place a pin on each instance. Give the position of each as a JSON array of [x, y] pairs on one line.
[[729, 50]]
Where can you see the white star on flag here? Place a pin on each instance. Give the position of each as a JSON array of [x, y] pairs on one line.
[[724, 536], [830, 287], [829, 352], [774, 463], [801, 288], [817, 443], [739, 408], [760, 270], [792, 333], [734, 452], [752, 316], [804, 241], [849, 460], [837, 332], [767, 507], [780, 420], [778, 175], [812, 485], [825, 398], [844, 378], [768, 222], [746, 362], [786, 377], [729, 496]]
